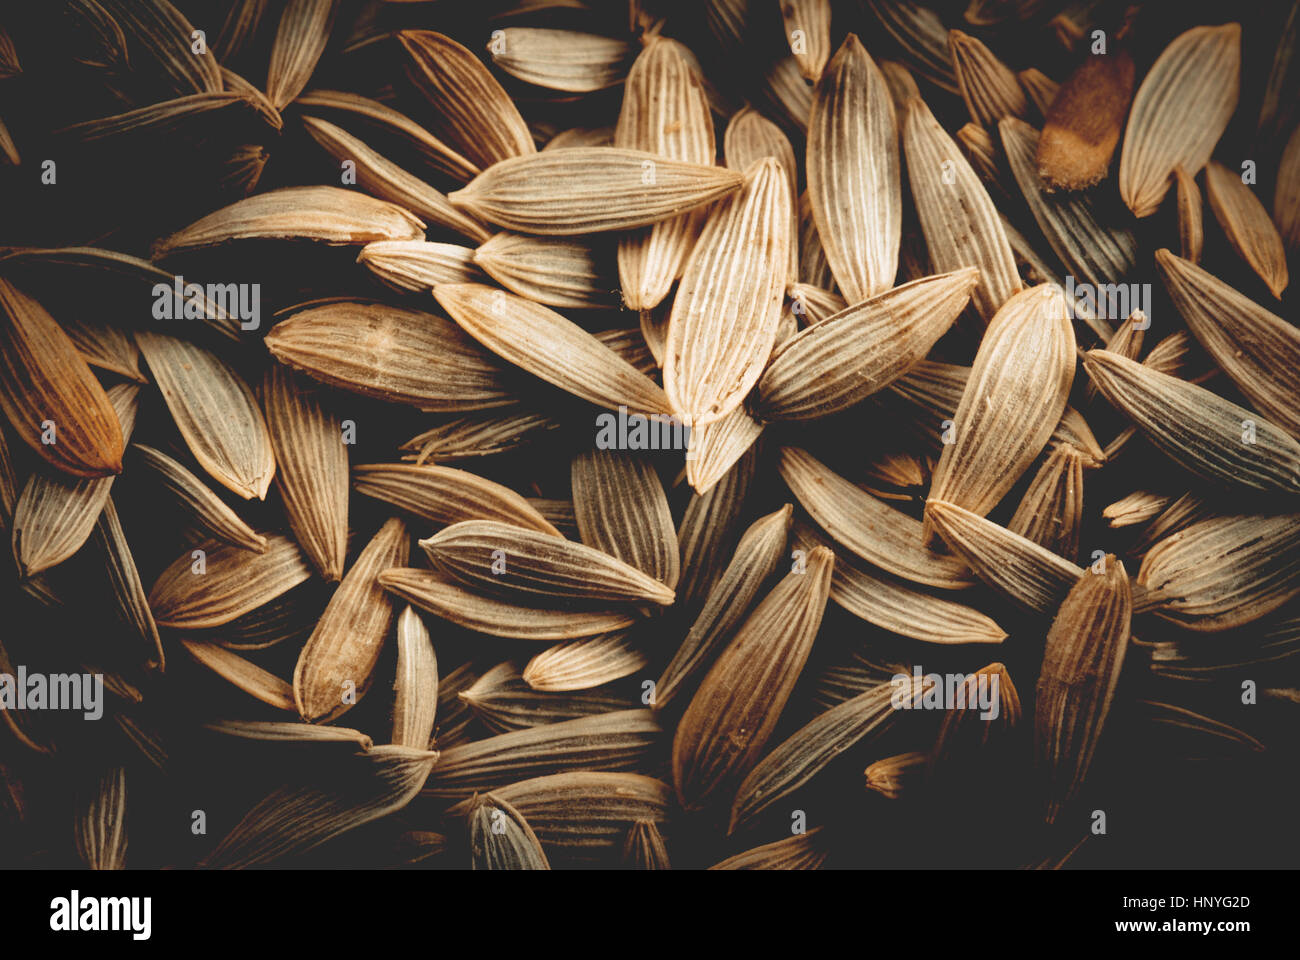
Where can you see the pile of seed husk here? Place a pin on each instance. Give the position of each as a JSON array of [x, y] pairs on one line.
[[562, 433]]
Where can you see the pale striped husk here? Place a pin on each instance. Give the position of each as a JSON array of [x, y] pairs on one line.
[[756, 558], [236, 581], [585, 663], [898, 608], [1182, 513], [446, 495], [981, 153], [56, 513], [866, 526], [277, 731], [1178, 356], [734, 712], [803, 851], [1051, 511], [502, 701], [1286, 197], [1081, 667], [312, 460], [215, 412], [709, 530], [105, 346], [807, 751], [454, 716], [727, 308], [43, 378], [1127, 342], [1140, 506], [1247, 225], [432, 592], [1029, 574], [392, 354], [1191, 226], [1039, 88], [718, 447], [563, 60], [1198, 429], [609, 741], [581, 137], [590, 190], [814, 268], [962, 227], [299, 42], [538, 566], [830, 366], [384, 119], [788, 92], [477, 115], [9, 487], [415, 699], [896, 776], [630, 344], [921, 35], [966, 733], [988, 86], [583, 816], [158, 38], [1016, 393], [242, 674], [550, 347], [645, 848], [1180, 111], [1257, 349], [379, 176], [853, 173], [124, 581], [329, 215], [1037, 270], [294, 819], [621, 509], [556, 272], [750, 137], [500, 838], [1224, 572], [205, 509], [100, 826], [336, 664], [813, 304], [1091, 250], [812, 19], [465, 438]]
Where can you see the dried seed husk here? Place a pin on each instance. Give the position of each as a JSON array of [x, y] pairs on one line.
[[242, 673], [803, 851], [921, 35], [500, 838], [1247, 225], [393, 354], [479, 118], [446, 495], [814, 268], [560, 59], [1081, 667], [814, 305], [284, 731], [1175, 728], [1224, 572], [1097, 252], [1051, 511], [294, 819], [756, 558], [415, 700], [788, 93], [44, 380], [466, 438], [1040, 89], [716, 448], [1028, 573], [1257, 349], [645, 848], [550, 347], [1191, 228], [106, 347], [830, 366], [204, 508], [584, 815], [124, 581], [1036, 270], [1180, 111], [235, 581], [734, 712], [1139, 506], [962, 227], [537, 566], [101, 821], [159, 39], [1286, 197], [898, 608], [585, 663], [708, 531], [502, 701], [1210, 436], [610, 741], [556, 272], [138, 129], [56, 513], [967, 731], [329, 215], [750, 137], [1083, 121], [853, 173], [867, 526], [433, 592], [590, 190], [581, 137], [896, 776], [379, 176], [215, 412], [339, 658], [988, 86], [1016, 393], [299, 42], [9, 65], [454, 715], [808, 21], [384, 119], [1188, 509], [621, 508], [416, 265]]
